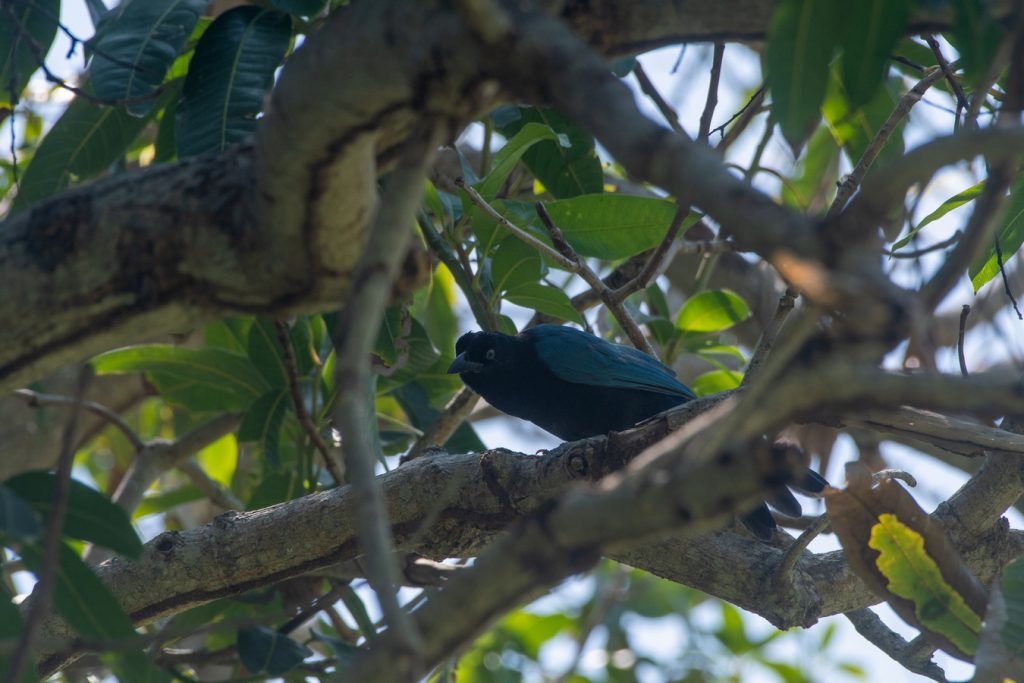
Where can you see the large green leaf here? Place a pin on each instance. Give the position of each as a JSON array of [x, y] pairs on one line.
[[712, 311], [855, 127], [263, 651], [262, 423], [513, 264], [1012, 584], [231, 71], [813, 188], [868, 33], [614, 226], [1011, 237], [801, 38], [264, 349], [977, 36], [564, 170], [545, 299], [208, 379], [136, 49], [80, 596], [18, 520], [30, 34], [90, 516], [84, 142], [509, 155]]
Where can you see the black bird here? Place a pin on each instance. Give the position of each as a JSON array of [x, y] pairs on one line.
[[576, 385]]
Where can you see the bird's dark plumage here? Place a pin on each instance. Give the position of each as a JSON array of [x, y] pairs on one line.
[[576, 385]]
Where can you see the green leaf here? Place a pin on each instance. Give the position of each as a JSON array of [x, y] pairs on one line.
[[302, 8], [90, 516], [977, 36], [207, 379], [614, 226], [263, 651], [262, 423], [715, 381], [165, 500], [815, 186], [564, 170], [137, 48], [30, 33], [345, 653], [265, 352], [393, 337], [230, 334], [954, 202], [855, 128], [81, 598], [508, 156], [231, 71], [274, 488], [1011, 236], [545, 299], [84, 142], [514, 263], [913, 574], [18, 520], [712, 311], [357, 609], [868, 33], [801, 38], [1012, 585]]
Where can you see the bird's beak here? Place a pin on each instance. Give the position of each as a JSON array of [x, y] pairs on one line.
[[462, 364]]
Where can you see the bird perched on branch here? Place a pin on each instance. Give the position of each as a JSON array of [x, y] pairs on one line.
[[576, 385]]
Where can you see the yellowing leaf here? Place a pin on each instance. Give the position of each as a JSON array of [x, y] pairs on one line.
[[913, 575]]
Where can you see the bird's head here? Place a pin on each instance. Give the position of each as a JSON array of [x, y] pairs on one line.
[[482, 353]]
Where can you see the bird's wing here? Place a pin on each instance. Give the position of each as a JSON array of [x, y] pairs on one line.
[[582, 358]]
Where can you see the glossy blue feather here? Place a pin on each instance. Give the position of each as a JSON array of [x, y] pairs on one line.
[[582, 358]]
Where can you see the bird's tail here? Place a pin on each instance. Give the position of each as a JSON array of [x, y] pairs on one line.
[[760, 521]]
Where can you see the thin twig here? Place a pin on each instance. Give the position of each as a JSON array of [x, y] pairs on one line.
[[938, 246], [647, 87], [159, 455], [762, 145], [482, 311], [793, 552], [852, 181], [334, 464], [954, 82], [42, 594], [357, 329], [591, 278], [914, 656], [712, 100], [770, 333], [747, 112], [36, 399], [453, 415], [563, 261], [1006, 279], [964, 312], [988, 208], [211, 489]]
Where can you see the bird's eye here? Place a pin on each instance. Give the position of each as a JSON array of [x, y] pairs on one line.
[[489, 355]]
